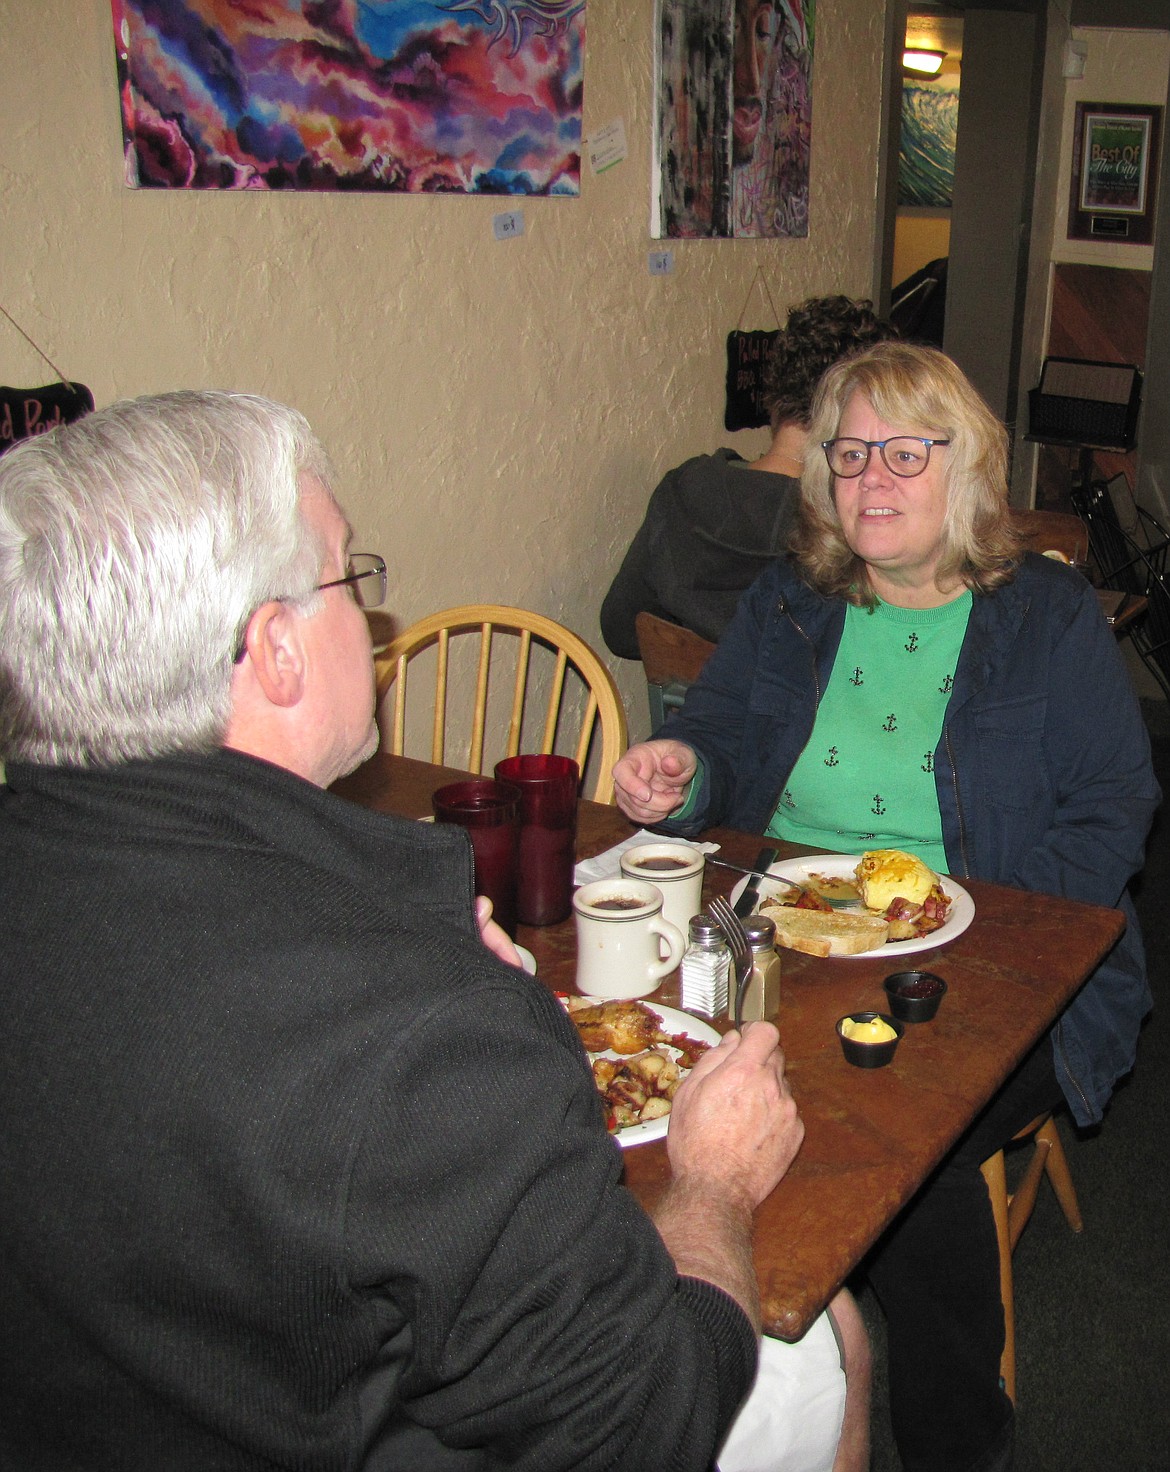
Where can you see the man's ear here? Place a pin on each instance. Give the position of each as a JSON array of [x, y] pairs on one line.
[[273, 642]]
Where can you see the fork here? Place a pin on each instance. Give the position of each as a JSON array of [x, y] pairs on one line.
[[737, 943]]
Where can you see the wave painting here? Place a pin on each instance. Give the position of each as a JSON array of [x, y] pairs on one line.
[[408, 96], [926, 163]]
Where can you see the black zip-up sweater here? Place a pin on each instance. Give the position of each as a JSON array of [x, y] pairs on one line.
[[293, 1172]]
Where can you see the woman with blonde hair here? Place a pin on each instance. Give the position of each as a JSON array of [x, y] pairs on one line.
[[909, 679], [916, 385]]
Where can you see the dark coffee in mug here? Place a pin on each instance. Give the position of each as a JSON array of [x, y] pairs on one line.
[[662, 864], [622, 937]]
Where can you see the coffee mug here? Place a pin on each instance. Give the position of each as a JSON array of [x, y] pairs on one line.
[[620, 931], [674, 868]]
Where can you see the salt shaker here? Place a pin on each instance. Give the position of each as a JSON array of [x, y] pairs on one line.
[[761, 1001], [704, 968]]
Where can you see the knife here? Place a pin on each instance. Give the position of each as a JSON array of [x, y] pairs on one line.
[[751, 890]]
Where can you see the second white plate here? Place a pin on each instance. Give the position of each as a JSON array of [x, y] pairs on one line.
[[844, 866], [673, 1022]]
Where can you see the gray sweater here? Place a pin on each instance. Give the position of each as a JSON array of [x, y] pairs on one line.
[[713, 524]]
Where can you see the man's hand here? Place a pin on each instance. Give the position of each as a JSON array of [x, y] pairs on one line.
[[734, 1125], [493, 936], [734, 1131], [651, 779]]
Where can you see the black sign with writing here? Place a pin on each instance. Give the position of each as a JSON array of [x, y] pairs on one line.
[[747, 361], [28, 411]]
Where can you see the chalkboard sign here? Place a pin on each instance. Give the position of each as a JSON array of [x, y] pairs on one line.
[[748, 354], [28, 411]]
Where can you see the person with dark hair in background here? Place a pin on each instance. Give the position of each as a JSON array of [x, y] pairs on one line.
[[711, 528]]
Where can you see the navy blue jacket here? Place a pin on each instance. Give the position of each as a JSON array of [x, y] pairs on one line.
[[1042, 770]]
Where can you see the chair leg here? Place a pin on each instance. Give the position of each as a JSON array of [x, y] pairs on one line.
[[1056, 1164], [996, 1178], [1011, 1215], [1023, 1198]]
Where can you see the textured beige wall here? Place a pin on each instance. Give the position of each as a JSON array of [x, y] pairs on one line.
[[498, 412]]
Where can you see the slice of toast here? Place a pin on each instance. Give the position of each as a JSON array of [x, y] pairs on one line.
[[840, 933]]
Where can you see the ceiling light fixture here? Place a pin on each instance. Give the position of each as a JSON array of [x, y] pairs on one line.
[[923, 63]]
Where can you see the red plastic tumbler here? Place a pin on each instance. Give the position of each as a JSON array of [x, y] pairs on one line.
[[548, 834], [490, 812]]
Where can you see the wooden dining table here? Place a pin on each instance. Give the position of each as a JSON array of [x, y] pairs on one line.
[[872, 1136]]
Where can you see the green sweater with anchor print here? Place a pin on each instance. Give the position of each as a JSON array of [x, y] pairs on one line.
[[866, 778]]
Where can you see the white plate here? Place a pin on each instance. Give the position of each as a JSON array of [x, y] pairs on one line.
[[527, 959], [844, 866], [672, 1022]]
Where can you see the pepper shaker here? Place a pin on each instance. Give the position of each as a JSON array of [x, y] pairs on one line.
[[761, 1000]]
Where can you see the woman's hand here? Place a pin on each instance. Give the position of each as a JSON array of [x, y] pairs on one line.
[[651, 779]]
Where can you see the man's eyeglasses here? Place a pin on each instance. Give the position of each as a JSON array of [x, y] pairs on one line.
[[903, 455], [361, 571], [365, 577]]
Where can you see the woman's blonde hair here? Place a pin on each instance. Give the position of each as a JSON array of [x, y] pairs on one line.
[[922, 389]]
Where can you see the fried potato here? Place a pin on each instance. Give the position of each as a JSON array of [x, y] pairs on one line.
[[640, 1083]]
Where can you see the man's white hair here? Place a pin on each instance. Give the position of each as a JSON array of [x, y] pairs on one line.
[[134, 546]]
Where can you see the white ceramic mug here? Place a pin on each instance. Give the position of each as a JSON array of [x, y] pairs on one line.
[[674, 868], [620, 931]]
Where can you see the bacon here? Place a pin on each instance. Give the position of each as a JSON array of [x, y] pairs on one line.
[[692, 1049], [927, 917]]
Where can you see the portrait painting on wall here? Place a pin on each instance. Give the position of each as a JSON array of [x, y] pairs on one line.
[[406, 96], [733, 103], [930, 127]]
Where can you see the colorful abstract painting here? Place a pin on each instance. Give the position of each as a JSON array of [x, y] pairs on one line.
[[460, 96], [734, 118], [930, 125]]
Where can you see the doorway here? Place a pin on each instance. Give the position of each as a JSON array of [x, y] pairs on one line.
[[926, 170], [987, 226]]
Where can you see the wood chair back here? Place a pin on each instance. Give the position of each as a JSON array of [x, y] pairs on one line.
[[672, 658], [1054, 531], [544, 678]]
